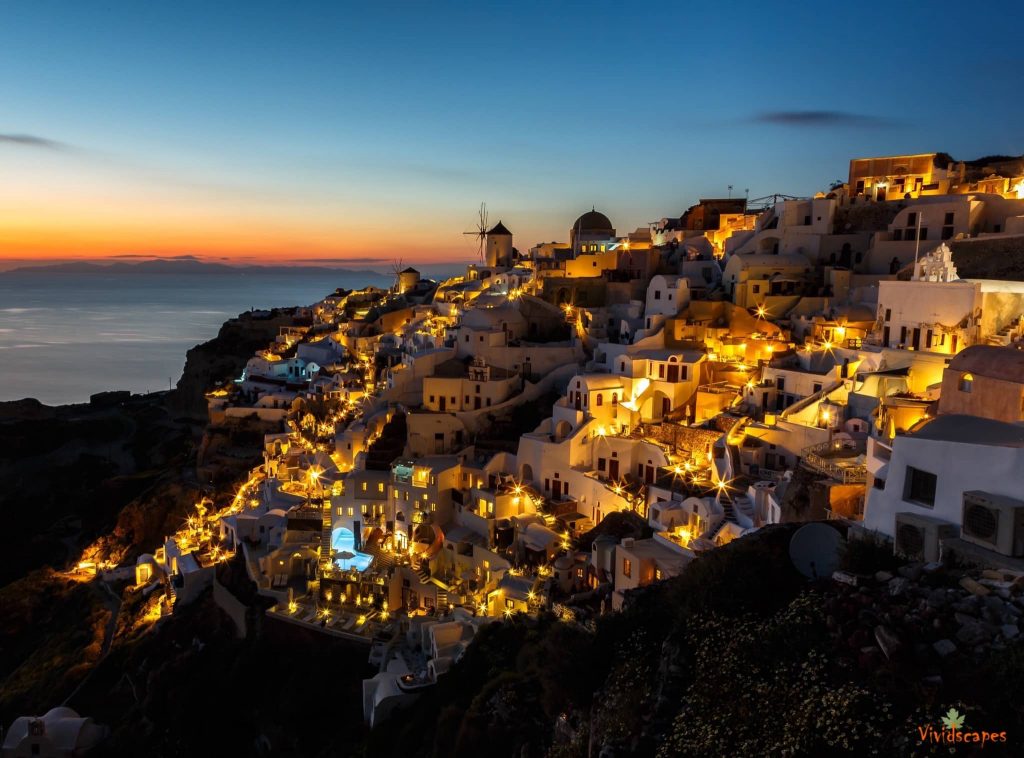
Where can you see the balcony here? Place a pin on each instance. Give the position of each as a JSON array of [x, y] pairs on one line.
[[842, 460]]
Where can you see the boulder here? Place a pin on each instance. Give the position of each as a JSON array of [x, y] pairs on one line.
[[888, 640], [975, 588]]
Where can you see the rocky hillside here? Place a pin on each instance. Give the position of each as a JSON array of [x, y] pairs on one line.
[[990, 258], [740, 656]]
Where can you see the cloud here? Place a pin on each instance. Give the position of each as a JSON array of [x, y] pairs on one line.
[[31, 140], [338, 260], [157, 257], [820, 119]]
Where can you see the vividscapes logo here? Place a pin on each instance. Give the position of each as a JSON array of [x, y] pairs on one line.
[[953, 732]]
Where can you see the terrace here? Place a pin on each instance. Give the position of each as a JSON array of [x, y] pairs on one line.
[[842, 460]]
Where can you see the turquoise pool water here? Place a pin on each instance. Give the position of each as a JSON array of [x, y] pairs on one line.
[[342, 540]]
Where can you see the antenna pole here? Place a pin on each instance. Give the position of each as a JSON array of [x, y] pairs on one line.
[[917, 242]]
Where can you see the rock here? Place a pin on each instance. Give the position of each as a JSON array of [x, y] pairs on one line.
[[973, 634], [944, 648], [993, 602], [898, 585], [974, 587], [911, 571], [882, 576], [844, 577], [937, 598], [964, 618], [1009, 631], [965, 606], [888, 641], [931, 568], [991, 616]]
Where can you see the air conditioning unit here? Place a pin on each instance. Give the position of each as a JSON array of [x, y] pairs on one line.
[[995, 522], [917, 536]]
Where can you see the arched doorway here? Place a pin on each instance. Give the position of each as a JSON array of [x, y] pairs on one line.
[[526, 473]]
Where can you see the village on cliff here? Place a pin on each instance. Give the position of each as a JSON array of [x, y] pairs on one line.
[[559, 426]]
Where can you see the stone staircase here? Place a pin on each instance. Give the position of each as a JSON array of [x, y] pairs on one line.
[[1007, 335], [730, 516], [325, 535], [381, 559]]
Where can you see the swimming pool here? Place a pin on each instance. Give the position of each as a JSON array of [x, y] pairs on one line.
[[344, 541]]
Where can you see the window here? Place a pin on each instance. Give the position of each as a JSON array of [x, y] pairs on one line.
[[615, 398], [509, 603], [661, 370], [924, 233], [966, 382], [756, 289], [657, 574], [600, 464], [949, 219], [431, 398], [911, 219], [380, 486], [888, 314], [600, 399], [364, 487], [919, 487], [351, 511], [627, 567], [657, 294]]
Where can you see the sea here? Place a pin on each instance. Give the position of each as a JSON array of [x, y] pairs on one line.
[[65, 336]]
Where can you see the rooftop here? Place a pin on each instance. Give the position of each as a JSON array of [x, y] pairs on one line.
[[994, 362], [972, 430]]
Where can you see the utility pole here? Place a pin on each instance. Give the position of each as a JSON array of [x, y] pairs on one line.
[[917, 243]]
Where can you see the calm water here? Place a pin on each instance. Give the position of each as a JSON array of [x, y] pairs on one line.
[[65, 336]]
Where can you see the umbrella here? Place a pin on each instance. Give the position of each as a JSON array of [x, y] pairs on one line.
[[345, 556]]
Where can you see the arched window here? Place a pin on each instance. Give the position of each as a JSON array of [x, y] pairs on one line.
[[615, 398], [966, 382], [600, 399]]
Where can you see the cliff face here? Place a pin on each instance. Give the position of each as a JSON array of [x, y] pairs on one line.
[[67, 473], [221, 359]]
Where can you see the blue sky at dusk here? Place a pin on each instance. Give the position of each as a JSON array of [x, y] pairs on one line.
[[287, 131]]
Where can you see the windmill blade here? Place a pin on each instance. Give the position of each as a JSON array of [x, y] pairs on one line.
[[481, 230]]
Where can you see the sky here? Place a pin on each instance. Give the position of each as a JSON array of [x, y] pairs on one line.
[[351, 133]]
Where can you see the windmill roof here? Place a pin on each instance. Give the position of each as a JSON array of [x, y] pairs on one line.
[[499, 228], [409, 270]]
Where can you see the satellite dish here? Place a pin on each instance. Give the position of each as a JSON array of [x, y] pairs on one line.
[[814, 550]]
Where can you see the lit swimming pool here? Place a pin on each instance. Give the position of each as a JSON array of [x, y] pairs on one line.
[[343, 541]]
